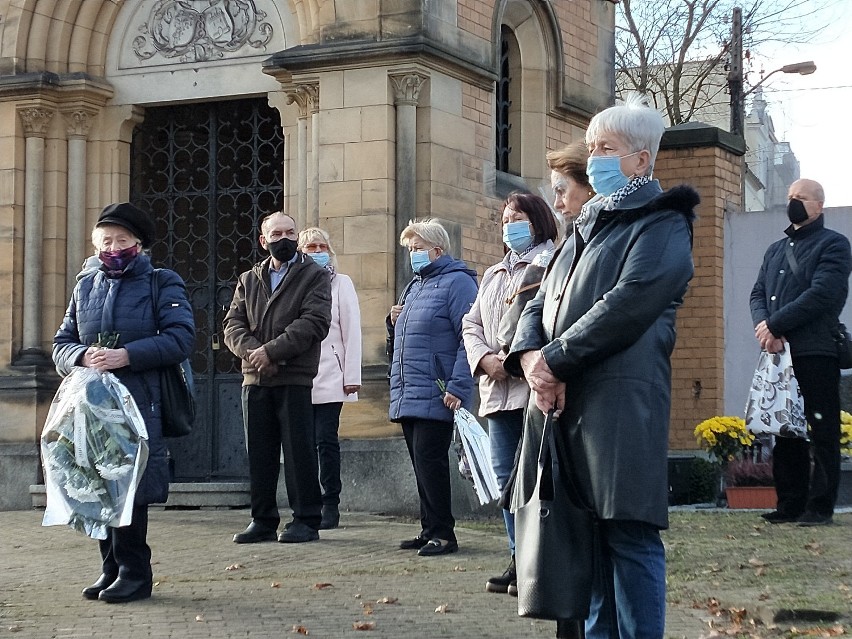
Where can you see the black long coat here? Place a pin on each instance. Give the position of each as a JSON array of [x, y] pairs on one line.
[[604, 320], [130, 312]]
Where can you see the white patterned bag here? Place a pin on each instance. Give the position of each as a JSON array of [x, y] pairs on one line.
[[775, 405]]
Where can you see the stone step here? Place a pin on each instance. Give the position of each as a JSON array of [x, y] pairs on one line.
[[183, 495]]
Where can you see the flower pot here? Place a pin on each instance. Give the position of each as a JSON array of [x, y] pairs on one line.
[[751, 497]]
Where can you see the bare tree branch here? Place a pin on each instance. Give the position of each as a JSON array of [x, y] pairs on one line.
[[677, 51]]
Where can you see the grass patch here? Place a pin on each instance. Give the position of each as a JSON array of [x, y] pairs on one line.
[[745, 571]]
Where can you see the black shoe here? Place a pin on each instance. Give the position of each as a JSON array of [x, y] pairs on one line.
[[778, 517], [414, 544], [814, 519], [501, 583], [330, 517], [513, 589], [125, 590], [254, 533], [103, 582], [438, 547], [298, 533]]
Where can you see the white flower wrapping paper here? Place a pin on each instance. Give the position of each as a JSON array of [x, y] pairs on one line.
[[94, 449]]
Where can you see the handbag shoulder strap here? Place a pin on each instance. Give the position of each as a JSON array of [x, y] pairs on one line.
[[561, 468], [793, 262], [155, 296]]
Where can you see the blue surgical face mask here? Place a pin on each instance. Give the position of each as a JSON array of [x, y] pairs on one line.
[[517, 235], [320, 258], [605, 174], [419, 259]]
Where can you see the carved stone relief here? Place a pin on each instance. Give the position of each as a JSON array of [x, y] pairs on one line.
[[201, 30]]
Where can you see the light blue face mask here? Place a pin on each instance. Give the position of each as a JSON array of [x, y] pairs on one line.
[[605, 174], [320, 258], [419, 259], [517, 235]]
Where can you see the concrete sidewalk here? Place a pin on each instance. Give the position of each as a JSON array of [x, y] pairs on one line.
[[207, 586]]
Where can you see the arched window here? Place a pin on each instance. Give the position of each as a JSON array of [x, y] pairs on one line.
[[527, 63], [507, 125]]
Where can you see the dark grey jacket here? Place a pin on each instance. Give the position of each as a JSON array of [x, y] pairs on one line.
[[605, 323], [803, 307]]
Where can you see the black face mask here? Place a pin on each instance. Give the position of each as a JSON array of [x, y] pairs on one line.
[[282, 250], [796, 211]]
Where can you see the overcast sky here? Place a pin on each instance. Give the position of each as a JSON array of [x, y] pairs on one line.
[[814, 113]]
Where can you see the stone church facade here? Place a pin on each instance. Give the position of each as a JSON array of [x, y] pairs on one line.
[[354, 115]]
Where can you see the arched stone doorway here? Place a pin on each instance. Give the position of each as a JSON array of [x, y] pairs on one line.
[[208, 173]]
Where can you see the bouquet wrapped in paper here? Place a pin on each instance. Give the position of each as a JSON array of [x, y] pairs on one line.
[[94, 448], [474, 451]]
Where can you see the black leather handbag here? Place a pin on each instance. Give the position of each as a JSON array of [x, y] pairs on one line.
[[177, 392], [844, 346], [554, 543]]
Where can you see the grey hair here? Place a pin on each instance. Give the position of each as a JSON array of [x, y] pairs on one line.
[[98, 234], [316, 233], [430, 231], [636, 121], [264, 223]]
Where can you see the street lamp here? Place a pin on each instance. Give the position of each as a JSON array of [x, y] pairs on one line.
[[735, 74], [738, 96]]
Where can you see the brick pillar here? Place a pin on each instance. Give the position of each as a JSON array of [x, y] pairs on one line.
[[710, 160]]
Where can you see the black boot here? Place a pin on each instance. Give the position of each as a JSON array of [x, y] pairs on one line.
[[103, 582], [504, 581], [330, 517]]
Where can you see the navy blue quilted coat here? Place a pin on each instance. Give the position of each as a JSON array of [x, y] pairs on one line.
[[129, 311], [428, 342]]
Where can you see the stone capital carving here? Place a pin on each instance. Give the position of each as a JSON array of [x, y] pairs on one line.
[[78, 122], [306, 97], [35, 119], [406, 87]]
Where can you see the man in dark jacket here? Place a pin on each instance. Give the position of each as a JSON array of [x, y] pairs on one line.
[[798, 296], [278, 318]]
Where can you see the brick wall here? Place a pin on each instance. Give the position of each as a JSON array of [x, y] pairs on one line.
[[698, 359]]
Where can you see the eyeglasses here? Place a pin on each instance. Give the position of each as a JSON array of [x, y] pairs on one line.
[[313, 247]]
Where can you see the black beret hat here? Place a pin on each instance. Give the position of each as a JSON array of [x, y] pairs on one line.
[[130, 217]]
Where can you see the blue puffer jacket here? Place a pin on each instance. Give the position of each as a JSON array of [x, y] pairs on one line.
[[428, 342], [129, 312]]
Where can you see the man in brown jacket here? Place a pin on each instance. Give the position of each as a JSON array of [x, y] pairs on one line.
[[280, 314]]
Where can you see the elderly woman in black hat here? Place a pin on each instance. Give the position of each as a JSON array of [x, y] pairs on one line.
[[115, 300]]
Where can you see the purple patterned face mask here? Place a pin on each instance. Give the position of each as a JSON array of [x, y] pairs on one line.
[[117, 261]]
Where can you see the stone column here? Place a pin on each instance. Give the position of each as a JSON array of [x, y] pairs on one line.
[[36, 120], [406, 88], [78, 123], [300, 96], [313, 205]]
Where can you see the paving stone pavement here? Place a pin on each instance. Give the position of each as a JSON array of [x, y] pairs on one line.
[[207, 586]]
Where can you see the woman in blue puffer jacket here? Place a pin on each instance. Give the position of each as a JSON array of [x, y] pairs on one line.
[[427, 347], [115, 299]]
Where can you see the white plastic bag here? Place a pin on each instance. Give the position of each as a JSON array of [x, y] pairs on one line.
[[94, 448], [775, 404]]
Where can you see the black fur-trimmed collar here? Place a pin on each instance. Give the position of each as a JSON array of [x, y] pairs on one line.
[[681, 199]]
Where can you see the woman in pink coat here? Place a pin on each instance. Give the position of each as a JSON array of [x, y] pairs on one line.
[[339, 377]]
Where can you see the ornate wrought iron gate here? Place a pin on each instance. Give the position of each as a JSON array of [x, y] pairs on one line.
[[208, 173]]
